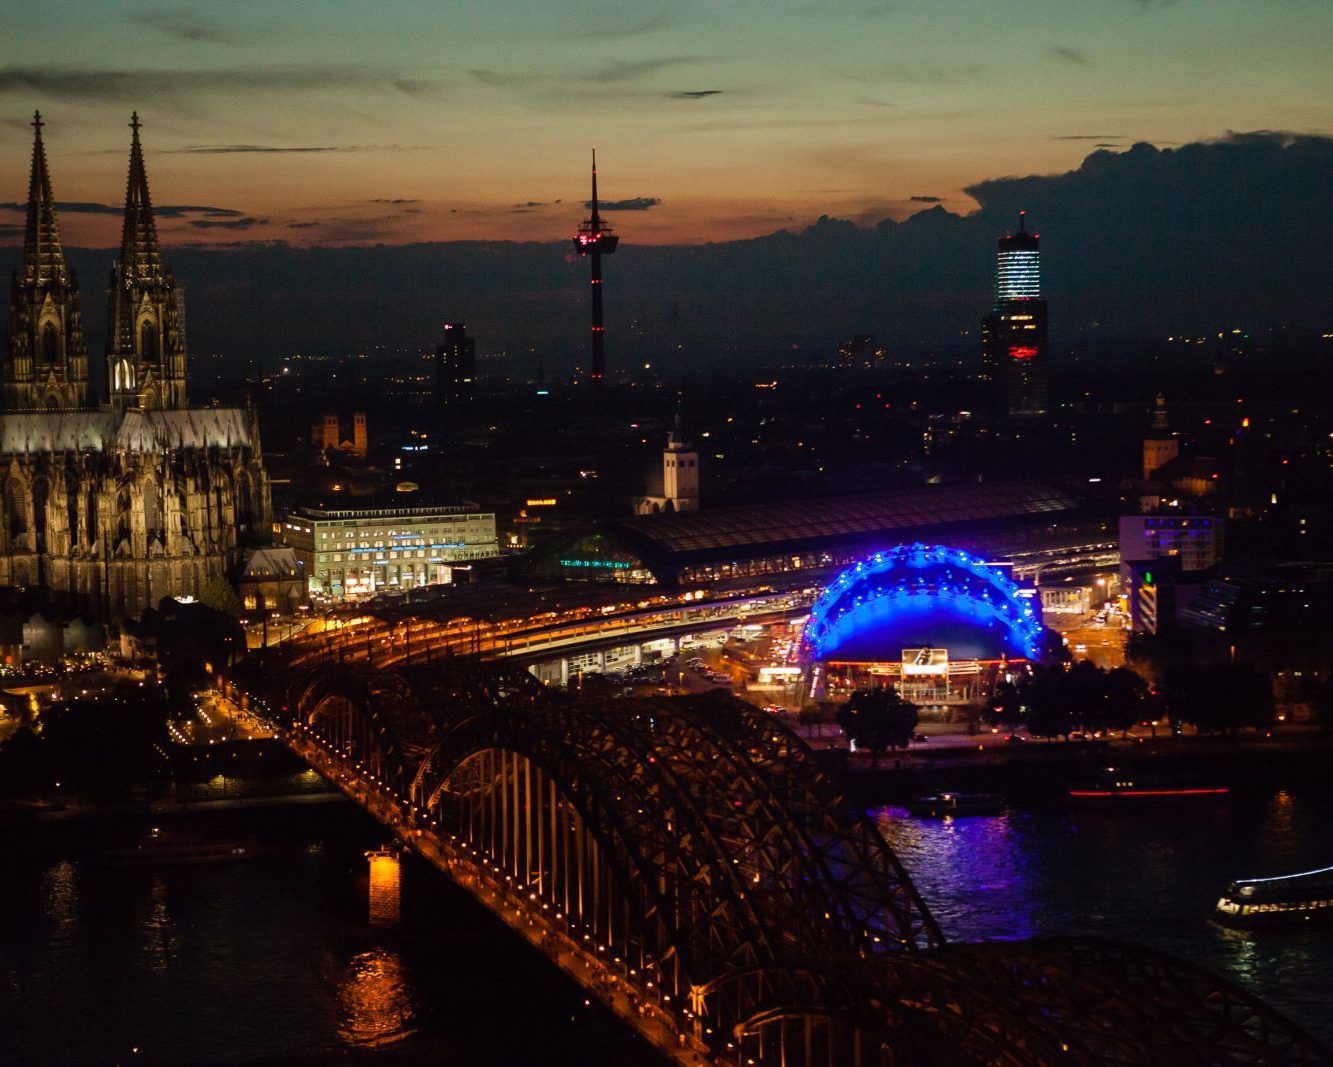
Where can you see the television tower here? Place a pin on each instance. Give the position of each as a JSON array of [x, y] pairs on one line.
[[595, 240]]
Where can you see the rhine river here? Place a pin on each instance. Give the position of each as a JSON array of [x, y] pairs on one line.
[[275, 960]]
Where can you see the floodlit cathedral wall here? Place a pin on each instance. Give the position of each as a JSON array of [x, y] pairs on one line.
[[112, 508]]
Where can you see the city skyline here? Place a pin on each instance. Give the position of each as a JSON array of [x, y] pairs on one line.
[[424, 124]]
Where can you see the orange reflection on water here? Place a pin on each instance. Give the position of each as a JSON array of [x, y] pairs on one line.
[[375, 1000]]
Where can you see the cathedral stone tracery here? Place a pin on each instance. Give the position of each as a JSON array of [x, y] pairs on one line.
[[110, 508]]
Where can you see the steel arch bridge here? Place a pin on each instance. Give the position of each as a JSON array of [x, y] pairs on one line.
[[687, 862], [918, 584]]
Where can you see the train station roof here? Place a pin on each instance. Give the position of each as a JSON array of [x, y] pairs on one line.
[[670, 545], [928, 507]]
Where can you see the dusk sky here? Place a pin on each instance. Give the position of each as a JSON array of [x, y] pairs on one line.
[[339, 122]]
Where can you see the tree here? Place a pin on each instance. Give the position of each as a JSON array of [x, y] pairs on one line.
[[220, 595], [1223, 697], [1126, 700], [877, 719], [1005, 707], [1045, 696], [1155, 656]]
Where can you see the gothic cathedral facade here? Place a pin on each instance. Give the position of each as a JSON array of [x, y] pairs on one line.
[[109, 507]]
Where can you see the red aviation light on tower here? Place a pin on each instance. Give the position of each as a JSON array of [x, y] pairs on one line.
[[595, 236]]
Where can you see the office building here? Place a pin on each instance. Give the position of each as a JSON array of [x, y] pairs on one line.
[[455, 366], [1196, 540], [359, 549], [1014, 335]]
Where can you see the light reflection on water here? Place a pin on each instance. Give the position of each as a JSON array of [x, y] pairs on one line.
[[157, 930], [1150, 875], [271, 961], [375, 1000]]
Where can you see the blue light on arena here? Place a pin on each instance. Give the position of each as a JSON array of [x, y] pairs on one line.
[[923, 595]]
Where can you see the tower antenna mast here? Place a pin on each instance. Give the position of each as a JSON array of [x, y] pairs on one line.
[[595, 240]]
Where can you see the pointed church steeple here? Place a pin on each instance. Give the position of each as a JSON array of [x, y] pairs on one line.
[[146, 331], [47, 364], [43, 254], [140, 255]]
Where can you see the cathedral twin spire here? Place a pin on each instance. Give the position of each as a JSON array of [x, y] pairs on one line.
[[47, 362], [43, 254], [47, 365], [146, 330]]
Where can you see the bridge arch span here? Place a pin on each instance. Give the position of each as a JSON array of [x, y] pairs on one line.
[[685, 860]]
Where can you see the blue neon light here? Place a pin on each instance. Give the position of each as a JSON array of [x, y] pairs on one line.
[[931, 587]]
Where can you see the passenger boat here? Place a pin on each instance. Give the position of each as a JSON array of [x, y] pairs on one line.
[[1115, 785], [1289, 898], [159, 847], [944, 805]]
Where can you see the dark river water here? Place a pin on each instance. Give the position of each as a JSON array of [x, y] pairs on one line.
[[276, 961], [1151, 875]]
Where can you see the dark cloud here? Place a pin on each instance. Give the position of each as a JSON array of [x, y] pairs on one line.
[[166, 86], [614, 73], [693, 94], [183, 23], [162, 211], [636, 203], [611, 23], [926, 199], [532, 203], [242, 149], [625, 72], [68, 207], [416, 87], [829, 8], [229, 224], [395, 200], [301, 225], [1071, 55], [1144, 242], [8, 230], [912, 74]]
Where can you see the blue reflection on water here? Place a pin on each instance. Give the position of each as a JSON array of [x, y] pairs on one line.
[[1150, 875]]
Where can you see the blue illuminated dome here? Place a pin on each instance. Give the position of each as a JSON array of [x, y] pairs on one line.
[[917, 596]]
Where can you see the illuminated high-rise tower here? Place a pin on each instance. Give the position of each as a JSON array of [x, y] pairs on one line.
[[455, 366], [595, 240], [1013, 336]]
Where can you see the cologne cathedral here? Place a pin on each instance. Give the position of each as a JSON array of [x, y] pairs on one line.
[[110, 506]]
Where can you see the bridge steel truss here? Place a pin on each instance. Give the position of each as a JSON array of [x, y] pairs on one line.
[[686, 861]]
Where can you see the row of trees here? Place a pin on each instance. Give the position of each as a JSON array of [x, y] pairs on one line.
[[1055, 701]]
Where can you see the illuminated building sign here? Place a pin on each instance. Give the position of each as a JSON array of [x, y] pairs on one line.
[[543, 502], [1021, 352], [926, 661], [604, 564]]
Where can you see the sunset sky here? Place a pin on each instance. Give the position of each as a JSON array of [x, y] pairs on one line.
[[351, 122]]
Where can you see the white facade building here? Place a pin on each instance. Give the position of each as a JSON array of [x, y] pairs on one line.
[[359, 551]]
